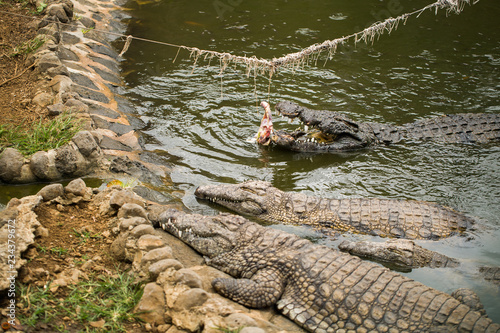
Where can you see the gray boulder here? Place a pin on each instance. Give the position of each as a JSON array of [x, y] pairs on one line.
[[151, 307], [77, 187], [43, 165], [11, 162], [51, 191]]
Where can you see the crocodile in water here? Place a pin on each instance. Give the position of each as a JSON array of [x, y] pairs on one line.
[[321, 289], [383, 217], [334, 131], [400, 253]]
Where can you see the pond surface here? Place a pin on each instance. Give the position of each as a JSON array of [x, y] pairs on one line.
[[436, 64], [201, 122]]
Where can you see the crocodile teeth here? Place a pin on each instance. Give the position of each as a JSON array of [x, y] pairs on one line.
[[306, 128]]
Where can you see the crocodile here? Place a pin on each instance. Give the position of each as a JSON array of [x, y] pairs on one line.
[[400, 253], [408, 219], [335, 132], [320, 289]]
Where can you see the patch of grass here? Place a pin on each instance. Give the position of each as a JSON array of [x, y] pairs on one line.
[[84, 31], [42, 135], [41, 249], [38, 305], [59, 251], [28, 46], [41, 7], [85, 235], [106, 301], [82, 260]]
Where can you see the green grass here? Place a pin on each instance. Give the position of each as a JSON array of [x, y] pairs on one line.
[[41, 136], [82, 260], [59, 251], [28, 46], [85, 235], [40, 8], [41, 249], [106, 298]]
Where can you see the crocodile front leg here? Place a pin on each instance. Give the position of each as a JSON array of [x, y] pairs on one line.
[[262, 290]]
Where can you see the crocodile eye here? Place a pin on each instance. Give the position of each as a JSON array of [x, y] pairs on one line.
[[248, 189]]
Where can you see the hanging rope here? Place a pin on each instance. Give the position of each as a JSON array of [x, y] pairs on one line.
[[258, 65], [294, 60]]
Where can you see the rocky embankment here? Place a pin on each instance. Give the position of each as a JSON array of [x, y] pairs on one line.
[[78, 73], [178, 296]]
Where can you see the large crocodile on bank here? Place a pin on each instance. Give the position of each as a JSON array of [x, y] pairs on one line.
[[381, 217], [333, 131], [321, 289]]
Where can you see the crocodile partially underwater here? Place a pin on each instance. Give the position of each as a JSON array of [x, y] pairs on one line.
[[408, 219], [321, 289], [403, 254], [334, 131]]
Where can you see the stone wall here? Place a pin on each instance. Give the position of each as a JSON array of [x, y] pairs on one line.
[[79, 73], [178, 295]]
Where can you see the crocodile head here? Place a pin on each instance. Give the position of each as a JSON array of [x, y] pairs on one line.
[[209, 235], [329, 131], [249, 198]]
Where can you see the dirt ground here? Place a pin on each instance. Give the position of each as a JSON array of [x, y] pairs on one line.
[[17, 80], [77, 235], [79, 232], [76, 249]]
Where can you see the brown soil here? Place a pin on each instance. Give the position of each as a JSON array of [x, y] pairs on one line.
[[79, 230], [17, 80], [82, 235]]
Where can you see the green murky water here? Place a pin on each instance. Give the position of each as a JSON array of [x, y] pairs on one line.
[[8, 192], [431, 66]]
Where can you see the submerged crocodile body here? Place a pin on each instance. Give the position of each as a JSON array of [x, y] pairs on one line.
[[321, 289], [333, 131], [401, 253], [382, 217]]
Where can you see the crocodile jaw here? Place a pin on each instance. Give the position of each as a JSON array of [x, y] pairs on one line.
[[339, 133], [211, 236], [248, 198], [301, 141]]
